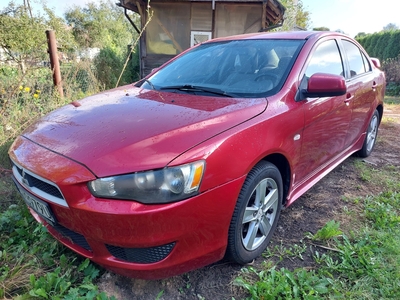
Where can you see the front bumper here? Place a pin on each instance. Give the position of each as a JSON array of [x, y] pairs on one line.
[[130, 238]]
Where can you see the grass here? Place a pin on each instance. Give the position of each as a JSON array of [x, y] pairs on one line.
[[392, 100], [35, 265]]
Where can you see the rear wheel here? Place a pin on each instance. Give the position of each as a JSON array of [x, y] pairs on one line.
[[370, 138], [256, 213]]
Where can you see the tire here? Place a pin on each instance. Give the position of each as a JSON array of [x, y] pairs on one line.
[[370, 138], [254, 222]]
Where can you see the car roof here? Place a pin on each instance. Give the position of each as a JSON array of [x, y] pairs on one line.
[[291, 35]]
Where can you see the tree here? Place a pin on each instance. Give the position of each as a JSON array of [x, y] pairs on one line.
[[321, 29], [302, 16], [360, 35], [100, 24], [23, 37], [295, 15], [390, 27], [103, 25]]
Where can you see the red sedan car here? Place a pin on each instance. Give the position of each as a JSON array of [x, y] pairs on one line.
[[196, 161]]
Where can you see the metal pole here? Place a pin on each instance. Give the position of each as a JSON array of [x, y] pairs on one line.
[[213, 19], [54, 62]]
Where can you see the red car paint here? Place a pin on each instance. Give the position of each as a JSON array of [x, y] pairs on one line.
[[132, 129]]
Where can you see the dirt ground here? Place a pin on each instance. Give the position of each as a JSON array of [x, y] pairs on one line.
[[324, 202]]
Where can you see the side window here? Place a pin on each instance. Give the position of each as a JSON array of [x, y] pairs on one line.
[[326, 59], [357, 62], [367, 65]]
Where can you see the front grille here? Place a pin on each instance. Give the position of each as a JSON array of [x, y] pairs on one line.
[[72, 236], [141, 255], [39, 186], [43, 186]]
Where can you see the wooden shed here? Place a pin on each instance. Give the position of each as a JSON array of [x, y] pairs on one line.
[[176, 25]]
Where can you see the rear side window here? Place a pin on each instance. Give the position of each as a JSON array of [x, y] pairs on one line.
[[357, 61], [326, 59], [367, 65]]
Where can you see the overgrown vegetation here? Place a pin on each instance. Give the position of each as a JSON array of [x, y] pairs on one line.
[[34, 265], [102, 25], [25, 98]]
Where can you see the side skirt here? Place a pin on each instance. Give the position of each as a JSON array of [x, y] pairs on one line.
[[303, 186]]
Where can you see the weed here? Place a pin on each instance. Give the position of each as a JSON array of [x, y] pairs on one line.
[[280, 251], [283, 284], [329, 231], [365, 171], [384, 210], [159, 295]]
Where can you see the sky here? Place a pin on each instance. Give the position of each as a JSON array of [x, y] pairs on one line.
[[353, 16], [350, 16]]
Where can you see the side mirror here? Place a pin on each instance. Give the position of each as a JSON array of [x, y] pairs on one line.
[[376, 62], [325, 85]]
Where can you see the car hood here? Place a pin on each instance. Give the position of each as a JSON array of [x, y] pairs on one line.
[[130, 129]]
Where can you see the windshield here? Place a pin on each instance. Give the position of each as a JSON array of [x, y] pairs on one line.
[[242, 68]]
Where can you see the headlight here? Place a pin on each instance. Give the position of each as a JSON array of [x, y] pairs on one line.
[[159, 186]]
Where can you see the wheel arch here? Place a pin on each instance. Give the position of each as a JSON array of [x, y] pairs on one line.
[[281, 162], [380, 111]]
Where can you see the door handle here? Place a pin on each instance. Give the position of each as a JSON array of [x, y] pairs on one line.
[[349, 97]]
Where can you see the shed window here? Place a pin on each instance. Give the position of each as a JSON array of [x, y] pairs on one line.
[[169, 30]]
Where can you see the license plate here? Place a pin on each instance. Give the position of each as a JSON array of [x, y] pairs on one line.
[[39, 206]]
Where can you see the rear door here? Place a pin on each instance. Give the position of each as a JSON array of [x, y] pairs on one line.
[[361, 90]]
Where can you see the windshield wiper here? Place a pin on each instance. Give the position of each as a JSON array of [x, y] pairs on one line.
[[195, 88], [150, 83]]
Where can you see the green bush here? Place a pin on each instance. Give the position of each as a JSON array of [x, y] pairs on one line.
[[383, 45], [393, 89], [109, 64]]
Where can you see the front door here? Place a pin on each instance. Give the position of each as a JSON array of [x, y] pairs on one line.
[[326, 119]]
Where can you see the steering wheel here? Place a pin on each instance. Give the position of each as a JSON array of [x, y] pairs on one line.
[[267, 76]]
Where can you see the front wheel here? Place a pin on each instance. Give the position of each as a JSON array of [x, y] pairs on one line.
[[370, 138], [256, 213]]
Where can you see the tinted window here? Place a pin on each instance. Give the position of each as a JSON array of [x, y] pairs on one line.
[[243, 68], [355, 58], [326, 59]]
